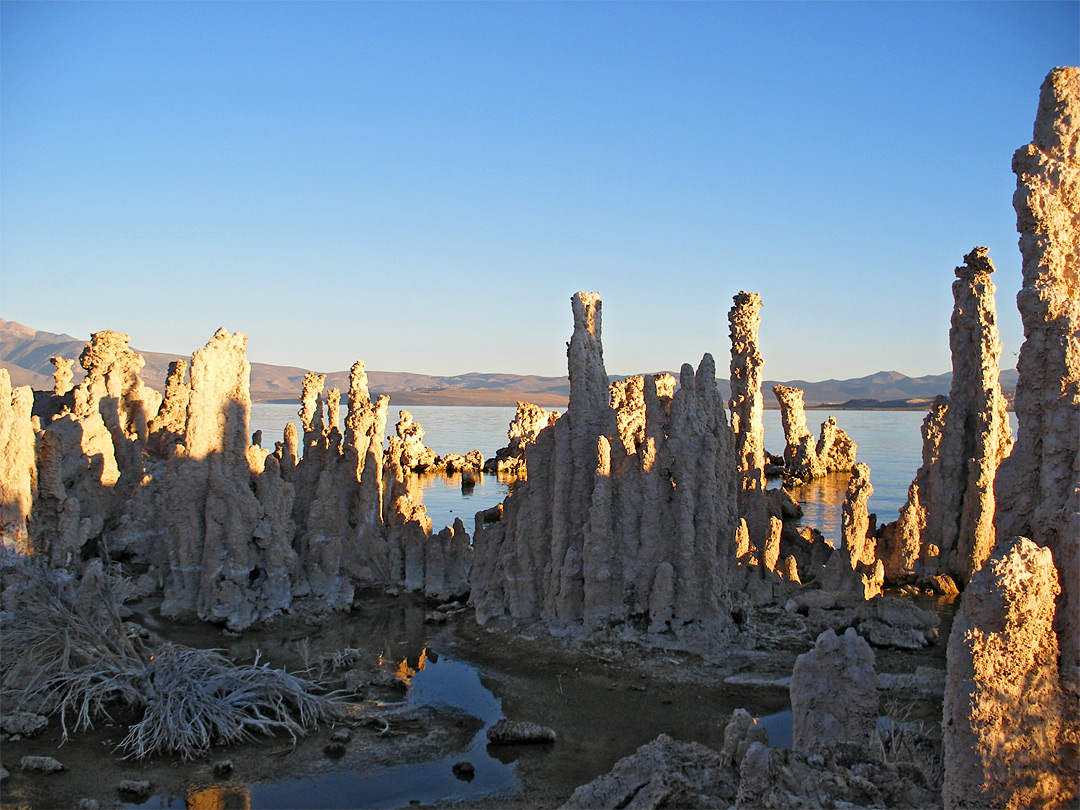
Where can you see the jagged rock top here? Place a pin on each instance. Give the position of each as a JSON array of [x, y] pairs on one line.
[[1057, 123], [977, 263]]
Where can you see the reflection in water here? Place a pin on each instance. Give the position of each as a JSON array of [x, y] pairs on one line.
[[403, 672], [822, 502], [435, 681], [219, 797], [779, 728], [445, 499]]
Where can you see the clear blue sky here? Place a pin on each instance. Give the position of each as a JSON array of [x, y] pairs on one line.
[[424, 186]]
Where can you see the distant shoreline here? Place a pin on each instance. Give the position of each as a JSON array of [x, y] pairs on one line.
[[456, 399]]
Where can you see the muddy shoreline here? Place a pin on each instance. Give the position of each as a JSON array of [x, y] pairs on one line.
[[604, 699]]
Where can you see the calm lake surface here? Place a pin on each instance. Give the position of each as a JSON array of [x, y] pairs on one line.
[[890, 442]]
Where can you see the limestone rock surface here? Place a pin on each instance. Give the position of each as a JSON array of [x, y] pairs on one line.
[[628, 508], [946, 525], [747, 422], [63, 375], [1038, 486], [1007, 729], [169, 425], [526, 425], [663, 773], [415, 455], [856, 531], [225, 563], [834, 693], [667, 773], [804, 459], [18, 472]]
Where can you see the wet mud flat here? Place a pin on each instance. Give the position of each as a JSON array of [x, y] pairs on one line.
[[421, 689]]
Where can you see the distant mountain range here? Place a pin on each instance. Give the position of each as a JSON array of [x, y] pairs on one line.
[[25, 353]]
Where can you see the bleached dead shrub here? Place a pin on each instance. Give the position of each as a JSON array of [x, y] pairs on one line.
[[199, 697], [67, 652]]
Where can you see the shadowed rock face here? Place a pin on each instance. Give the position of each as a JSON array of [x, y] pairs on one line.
[[169, 425], [834, 693], [1004, 712], [1038, 486], [231, 533], [628, 508], [800, 454], [226, 563]]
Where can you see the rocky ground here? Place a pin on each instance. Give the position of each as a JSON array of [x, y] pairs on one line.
[[604, 700]]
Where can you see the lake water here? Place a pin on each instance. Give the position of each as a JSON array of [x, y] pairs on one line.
[[890, 442]]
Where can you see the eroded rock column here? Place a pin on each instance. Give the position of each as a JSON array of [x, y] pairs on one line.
[[226, 561], [800, 454], [1005, 727], [18, 472], [946, 525], [629, 507], [170, 424], [1038, 486], [834, 693], [858, 541], [746, 413], [63, 375]]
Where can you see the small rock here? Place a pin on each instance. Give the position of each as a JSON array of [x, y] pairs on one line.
[[436, 617], [88, 804], [41, 764], [223, 767], [26, 724], [4, 774], [508, 732], [341, 736], [464, 770], [388, 680], [335, 750], [942, 584], [135, 787]]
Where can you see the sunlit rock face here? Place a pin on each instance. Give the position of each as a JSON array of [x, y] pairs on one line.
[[113, 387], [747, 423], [232, 533], [170, 423], [92, 449], [946, 525], [629, 509], [18, 470], [1038, 486], [63, 375], [805, 459], [858, 541], [415, 455], [800, 452], [225, 562], [526, 425], [1005, 724]]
